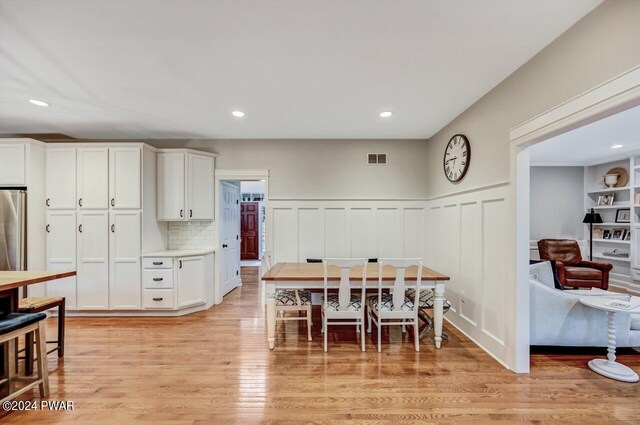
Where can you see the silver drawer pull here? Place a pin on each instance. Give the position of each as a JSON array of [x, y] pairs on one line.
[[158, 298], [158, 263], [158, 279]]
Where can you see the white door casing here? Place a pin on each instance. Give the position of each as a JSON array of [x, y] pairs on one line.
[[93, 260], [124, 260], [61, 254], [230, 232], [93, 178], [61, 178]]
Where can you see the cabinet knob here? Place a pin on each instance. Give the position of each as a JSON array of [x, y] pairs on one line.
[[47, 203], [158, 298], [190, 213], [224, 245], [48, 228], [179, 264], [158, 279], [80, 228], [113, 202], [80, 202], [113, 228], [181, 213], [158, 263]]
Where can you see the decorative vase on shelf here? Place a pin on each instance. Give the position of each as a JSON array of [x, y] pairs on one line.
[[611, 180]]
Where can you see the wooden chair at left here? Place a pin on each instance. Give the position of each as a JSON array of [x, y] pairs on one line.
[[13, 326]]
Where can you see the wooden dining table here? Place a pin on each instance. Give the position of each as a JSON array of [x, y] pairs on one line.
[[310, 276], [12, 281]]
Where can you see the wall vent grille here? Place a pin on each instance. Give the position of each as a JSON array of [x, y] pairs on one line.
[[376, 158]]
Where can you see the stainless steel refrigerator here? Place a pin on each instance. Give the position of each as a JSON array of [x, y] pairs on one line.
[[13, 229]]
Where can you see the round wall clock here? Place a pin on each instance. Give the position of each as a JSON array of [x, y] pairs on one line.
[[457, 157]]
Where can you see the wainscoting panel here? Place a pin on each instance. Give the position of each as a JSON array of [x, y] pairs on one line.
[[467, 241], [317, 229]]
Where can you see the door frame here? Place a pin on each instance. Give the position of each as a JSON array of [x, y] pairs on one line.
[[234, 174], [613, 96]]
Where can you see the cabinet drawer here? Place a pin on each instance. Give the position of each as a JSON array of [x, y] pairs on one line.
[[635, 274], [157, 278], [157, 263], [157, 299]]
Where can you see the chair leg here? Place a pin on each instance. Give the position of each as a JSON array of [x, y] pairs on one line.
[[362, 334], [368, 321], [11, 363], [416, 333], [28, 354], [43, 372], [309, 323], [378, 322], [326, 332], [404, 328], [61, 325]]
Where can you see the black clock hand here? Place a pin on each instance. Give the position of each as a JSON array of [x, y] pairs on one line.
[[452, 159]]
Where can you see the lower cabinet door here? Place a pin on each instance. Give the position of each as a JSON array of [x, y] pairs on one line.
[[61, 254], [190, 283], [124, 260], [93, 260]]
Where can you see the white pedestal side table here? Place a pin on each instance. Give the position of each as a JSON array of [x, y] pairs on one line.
[[609, 367]]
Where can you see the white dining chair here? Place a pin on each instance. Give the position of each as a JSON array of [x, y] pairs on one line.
[[394, 306], [345, 307], [288, 300]]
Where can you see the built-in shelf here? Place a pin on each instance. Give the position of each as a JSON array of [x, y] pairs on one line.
[[621, 259], [613, 207], [613, 241], [613, 189], [611, 224]]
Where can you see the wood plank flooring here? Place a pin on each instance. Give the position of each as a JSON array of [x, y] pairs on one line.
[[214, 368]]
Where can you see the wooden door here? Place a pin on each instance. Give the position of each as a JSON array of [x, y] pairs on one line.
[[249, 230]]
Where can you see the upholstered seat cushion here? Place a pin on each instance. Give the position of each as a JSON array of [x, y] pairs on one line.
[[387, 303], [635, 322], [34, 303], [355, 304], [583, 273], [426, 298], [15, 321], [288, 297]]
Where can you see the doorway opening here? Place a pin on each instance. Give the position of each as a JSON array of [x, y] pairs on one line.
[[240, 213]]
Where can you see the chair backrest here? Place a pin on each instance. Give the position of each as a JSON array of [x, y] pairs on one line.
[[400, 285], [565, 250], [344, 289], [266, 261]]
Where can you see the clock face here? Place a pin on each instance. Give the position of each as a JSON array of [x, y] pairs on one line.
[[457, 157]]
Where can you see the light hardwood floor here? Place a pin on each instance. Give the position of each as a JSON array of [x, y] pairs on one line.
[[215, 368]]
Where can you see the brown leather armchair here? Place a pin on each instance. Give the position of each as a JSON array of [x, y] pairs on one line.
[[571, 270]]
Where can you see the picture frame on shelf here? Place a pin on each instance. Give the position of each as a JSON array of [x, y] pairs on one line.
[[605, 200], [623, 215], [618, 234], [606, 234], [636, 198], [627, 237], [597, 233]]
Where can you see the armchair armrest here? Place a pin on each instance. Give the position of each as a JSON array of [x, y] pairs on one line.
[[560, 272], [603, 267]]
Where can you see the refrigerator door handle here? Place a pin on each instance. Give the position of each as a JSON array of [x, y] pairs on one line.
[[21, 210]]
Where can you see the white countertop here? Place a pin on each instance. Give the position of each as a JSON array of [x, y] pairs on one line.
[[179, 252]]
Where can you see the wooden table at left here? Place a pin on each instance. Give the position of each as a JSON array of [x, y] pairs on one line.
[[11, 282]]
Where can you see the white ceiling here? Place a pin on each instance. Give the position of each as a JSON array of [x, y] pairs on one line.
[[299, 69], [592, 143]]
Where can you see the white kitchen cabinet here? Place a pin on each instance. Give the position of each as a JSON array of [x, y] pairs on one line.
[[13, 165], [93, 260], [200, 187], [190, 281], [125, 178], [61, 178], [93, 178], [171, 186], [61, 254], [185, 185], [124, 260]]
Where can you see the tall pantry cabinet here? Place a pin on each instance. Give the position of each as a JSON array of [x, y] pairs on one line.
[[95, 212]]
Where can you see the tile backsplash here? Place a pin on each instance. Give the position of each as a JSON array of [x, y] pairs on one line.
[[191, 235]]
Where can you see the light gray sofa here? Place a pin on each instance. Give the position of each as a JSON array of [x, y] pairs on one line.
[[559, 319]]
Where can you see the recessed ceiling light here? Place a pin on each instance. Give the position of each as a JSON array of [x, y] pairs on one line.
[[38, 102], [238, 114], [616, 146], [386, 114]]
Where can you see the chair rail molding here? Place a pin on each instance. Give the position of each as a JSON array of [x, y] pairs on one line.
[[612, 96]]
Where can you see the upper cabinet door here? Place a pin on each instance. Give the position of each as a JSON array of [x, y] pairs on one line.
[[200, 187], [93, 178], [124, 178], [61, 178], [171, 187], [12, 164]]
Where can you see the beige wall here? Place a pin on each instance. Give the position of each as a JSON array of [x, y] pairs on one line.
[[325, 169], [602, 45]]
